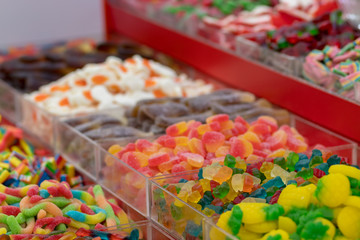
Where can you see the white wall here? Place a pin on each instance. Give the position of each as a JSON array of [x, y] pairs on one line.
[[41, 21]]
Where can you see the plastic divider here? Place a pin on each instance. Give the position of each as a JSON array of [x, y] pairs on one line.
[[9, 102], [174, 214]]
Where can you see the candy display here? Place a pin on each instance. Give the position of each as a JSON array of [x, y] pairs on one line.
[[29, 71], [335, 68], [54, 206], [158, 114], [328, 209], [261, 19], [21, 164], [192, 145], [301, 38], [82, 233], [114, 83], [216, 189]]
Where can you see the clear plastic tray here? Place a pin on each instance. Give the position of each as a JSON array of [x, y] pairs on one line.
[[9, 102], [284, 63], [249, 49], [213, 232], [178, 217]]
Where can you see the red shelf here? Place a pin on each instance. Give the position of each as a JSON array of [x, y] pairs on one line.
[[310, 102]]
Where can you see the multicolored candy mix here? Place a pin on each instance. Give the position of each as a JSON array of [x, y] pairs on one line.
[[299, 39], [218, 188], [54, 206], [114, 83], [21, 164], [326, 210], [192, 145], [335, 68]]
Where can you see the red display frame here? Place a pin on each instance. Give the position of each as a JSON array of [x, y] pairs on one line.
[[296, 95]]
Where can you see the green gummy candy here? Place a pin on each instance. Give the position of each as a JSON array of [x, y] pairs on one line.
[[20, 218], [11, 199], [292, 159], [281, 162], [3, 218], [222, 190], [235, 219], [230, 161], [273, 212], [61, 227], [306, 173], [13, 225], [316, 161], [71, 207], [32, 212], [60, 201], [176, 212], [314, 230]]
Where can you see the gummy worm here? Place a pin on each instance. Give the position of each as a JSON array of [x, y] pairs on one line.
[[111, 219], [16, 192], [47, 206], [84, 196], [99, 216]]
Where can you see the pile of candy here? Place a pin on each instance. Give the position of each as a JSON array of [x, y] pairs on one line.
[[335, 68], [21, 164], [192, 145], [54, 206], [157, 114], [81, 233], [14, 52], [153, 116], [114, 83], [299, 39], [34, 68], [264, 18], [218, 188], [328, 209]]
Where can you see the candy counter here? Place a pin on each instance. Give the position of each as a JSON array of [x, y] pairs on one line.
[[147, 27], [172, 155]]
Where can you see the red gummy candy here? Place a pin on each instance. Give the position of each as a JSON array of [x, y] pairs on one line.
[[13, 192], [213, 184], [35, 199], [33, 191], [275, 197], [129, 148], [158, 158], [82, 232], [99, 227], [2, 197], [213, 140], [54, 191], [238, 199], [193, 133], [142, 144], [56, 221], [85, 209], [167, 141], [10, 210], [178, 168], [217, 202], [215, 126], [64, 191], [218, 118], [318, 173]]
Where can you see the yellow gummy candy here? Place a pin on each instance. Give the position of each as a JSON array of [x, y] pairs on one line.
[[3, 231], [279, 234], [349, 222], [345, 170], [222, 223], [333, 190], [247, 235], [263, 227], [331, 231], [353, 201], [293, 196], [253, 212], [287, 224]]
